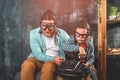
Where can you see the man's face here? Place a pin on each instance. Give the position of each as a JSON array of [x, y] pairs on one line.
[[81, 35], [48, 27]]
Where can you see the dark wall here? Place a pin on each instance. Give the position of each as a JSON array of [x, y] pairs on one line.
[[113, 67], [113, 41], [113, 33], [19, 17]]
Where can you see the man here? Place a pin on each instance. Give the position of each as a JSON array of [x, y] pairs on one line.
[[46, 45], [80, 45]]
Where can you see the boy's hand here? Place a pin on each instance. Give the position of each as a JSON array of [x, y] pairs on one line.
[[86, 64]]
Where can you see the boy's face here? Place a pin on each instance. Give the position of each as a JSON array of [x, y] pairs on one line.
[[48, 27], [81, 35]]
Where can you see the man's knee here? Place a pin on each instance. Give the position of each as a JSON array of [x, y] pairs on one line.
[[27, 65], [48, 66]]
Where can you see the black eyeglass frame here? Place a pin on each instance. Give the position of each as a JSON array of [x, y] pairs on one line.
[[82, 35]]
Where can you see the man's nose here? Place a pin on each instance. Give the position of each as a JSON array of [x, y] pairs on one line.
[[47, 29]]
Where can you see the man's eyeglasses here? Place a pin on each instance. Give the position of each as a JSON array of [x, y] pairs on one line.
[[82, 35], [49, 26]]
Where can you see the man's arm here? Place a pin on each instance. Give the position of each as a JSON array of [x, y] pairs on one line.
[[69, 46]]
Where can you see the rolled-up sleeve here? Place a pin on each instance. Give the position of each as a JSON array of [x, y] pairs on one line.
[[69, 46]]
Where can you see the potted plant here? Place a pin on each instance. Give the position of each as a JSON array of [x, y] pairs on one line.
[[112, 12]]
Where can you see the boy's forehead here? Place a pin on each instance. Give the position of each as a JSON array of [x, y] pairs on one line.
[[81, 30]]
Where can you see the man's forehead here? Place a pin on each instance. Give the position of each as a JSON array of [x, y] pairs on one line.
[[47, 21]]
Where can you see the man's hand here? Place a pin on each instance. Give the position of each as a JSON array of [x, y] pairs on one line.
[[82, 52], [58, 60]]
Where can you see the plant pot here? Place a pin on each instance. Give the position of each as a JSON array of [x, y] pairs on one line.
[[112, 17]]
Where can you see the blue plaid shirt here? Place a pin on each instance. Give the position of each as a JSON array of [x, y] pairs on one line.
[[71, 46]]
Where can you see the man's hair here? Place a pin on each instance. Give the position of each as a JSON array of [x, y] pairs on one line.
[[48, 15], [83, 25]]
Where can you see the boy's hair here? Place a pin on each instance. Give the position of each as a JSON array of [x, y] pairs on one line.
[[84, 26], [48, 15]]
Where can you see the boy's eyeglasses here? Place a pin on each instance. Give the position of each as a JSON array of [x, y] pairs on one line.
[[82, 35], [49, 26]]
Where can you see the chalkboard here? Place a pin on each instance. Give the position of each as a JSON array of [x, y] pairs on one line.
[[19, 17], [113, 35]]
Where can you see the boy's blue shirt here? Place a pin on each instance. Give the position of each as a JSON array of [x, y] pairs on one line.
[[71, 46], [37, 44]]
